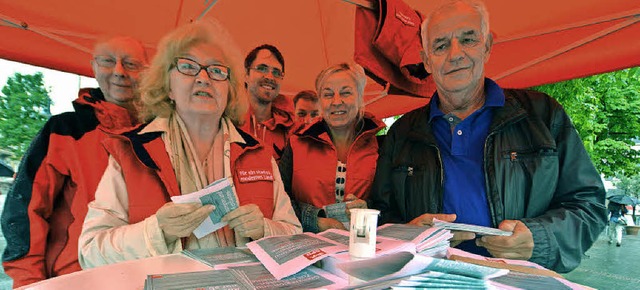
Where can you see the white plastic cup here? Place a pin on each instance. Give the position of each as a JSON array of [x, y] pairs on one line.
[[362, 233]]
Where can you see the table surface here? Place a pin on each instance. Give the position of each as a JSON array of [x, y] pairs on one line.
[[125, 275]]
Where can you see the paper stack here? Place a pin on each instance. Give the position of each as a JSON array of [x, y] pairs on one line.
[[244, 277], [429, 241], [219, 258]]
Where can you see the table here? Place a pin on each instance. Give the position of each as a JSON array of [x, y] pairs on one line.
[[125, 275]]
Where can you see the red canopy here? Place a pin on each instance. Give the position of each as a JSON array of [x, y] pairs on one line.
[[537, 42]]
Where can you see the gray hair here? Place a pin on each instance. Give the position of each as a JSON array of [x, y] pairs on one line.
[[476, 5]]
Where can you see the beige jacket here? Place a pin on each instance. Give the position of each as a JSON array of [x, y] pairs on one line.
[[107, 237]]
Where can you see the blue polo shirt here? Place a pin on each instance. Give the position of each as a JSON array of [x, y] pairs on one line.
[[461, 144]]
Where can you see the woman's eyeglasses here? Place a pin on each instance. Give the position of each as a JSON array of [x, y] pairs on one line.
[[216, 72]]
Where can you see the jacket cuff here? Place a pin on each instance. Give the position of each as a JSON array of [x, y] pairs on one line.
[[309, 218], [542, 249], [154, 238]]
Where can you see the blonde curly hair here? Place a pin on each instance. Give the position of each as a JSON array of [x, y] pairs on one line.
[[155, 85]]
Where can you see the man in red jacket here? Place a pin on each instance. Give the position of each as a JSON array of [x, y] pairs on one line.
[[58, 175], [270, 114]]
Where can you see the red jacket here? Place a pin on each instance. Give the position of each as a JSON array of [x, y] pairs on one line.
[[388, 45], [308, 167], [58, 176], [151, 180], [273, 133]]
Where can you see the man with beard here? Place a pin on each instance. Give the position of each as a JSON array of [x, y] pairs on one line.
[[270, 114], [58, 176]]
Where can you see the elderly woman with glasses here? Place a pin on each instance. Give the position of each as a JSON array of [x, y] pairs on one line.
[[328, 166], [193, 102]]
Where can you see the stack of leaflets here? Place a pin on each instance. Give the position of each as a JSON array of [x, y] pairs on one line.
[[220, 258], [221, 194], [404, 270], [408, 270], [433, 279], [383, 245], [286, 255], [244, 277], [517, 280], [478, 230], [429, 241]]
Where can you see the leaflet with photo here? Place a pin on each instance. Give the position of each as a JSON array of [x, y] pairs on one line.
[[287, 255], [221, 194], [479, 230]]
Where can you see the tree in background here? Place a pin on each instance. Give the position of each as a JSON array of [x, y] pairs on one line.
[[24, 109], [631, 187], [605, 110]]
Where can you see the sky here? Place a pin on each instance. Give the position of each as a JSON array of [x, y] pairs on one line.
[[63, 87]]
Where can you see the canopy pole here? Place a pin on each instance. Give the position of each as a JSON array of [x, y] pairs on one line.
[[569, 47], [322, 32], [178, 13], [608, 18], [11, 23], [368, 4], [25, 26], [383, 93], [206, 9]]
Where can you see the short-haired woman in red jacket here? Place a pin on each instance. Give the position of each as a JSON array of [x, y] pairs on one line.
[[333, 160]]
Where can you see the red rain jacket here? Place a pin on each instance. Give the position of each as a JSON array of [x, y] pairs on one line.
[[58, 176]]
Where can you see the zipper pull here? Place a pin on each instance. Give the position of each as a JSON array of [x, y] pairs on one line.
[[410, 171], [514, 156]]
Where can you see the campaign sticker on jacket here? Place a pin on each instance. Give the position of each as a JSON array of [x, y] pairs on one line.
[[253, 175]]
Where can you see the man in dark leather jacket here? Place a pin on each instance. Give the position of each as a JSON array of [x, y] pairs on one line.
[[535, 176]]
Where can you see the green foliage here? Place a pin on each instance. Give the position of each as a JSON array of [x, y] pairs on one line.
[[24, 108], [386, 129], [605, 110], [630, 185]]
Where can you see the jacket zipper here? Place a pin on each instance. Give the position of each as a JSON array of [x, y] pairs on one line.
[[486, 178], [441, 169]]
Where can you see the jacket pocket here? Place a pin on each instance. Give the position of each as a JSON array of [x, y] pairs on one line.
[[414, 189], [530, 179]]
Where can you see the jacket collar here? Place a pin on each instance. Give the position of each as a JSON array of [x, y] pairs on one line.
[[511, 111], [319, 130], [148, 132], [138, 139], [494, 97], [91, 104], [282, 114]]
